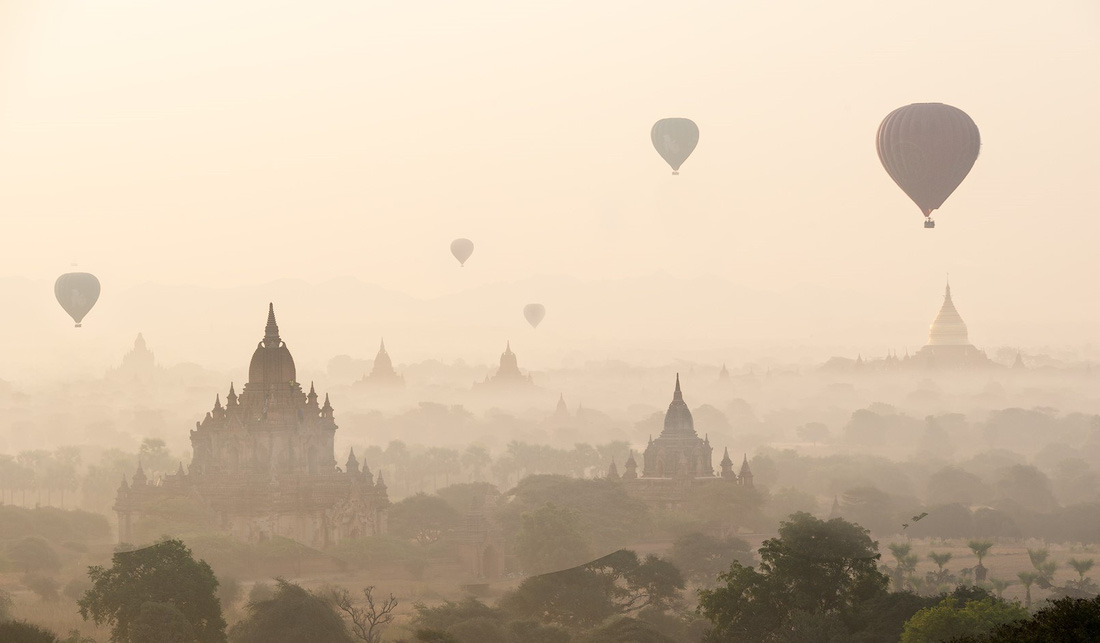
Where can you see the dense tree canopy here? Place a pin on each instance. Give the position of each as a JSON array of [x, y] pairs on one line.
[[950, 620], [161, 573], [292, 615], [812, 566], [1065, 620], [581, 597], [550, 538]]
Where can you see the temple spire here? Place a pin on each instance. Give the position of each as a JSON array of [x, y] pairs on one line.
[[382, 346], [677, 395], [271, 332]]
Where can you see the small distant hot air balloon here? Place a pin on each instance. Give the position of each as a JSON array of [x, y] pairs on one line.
[[77, 292], [928, 149], [462, 249], [675, 140], [534, 314]]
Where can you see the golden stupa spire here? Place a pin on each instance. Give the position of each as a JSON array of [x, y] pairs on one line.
[[948, 328]]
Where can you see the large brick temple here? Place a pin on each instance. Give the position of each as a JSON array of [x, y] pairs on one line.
[[263, 464]]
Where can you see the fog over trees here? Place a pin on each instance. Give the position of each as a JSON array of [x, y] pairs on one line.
[[578, 322]]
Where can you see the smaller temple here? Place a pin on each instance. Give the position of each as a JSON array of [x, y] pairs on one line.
[[561, 412], [724, 374], [508, 375], [137, 365], [383, 374]]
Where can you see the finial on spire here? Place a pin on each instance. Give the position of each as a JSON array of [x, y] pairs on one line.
[[382, 346], [271, 332], [677, 395]]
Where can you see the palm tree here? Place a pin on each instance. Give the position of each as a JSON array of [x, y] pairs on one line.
[[980, 549], [999, 586], [1037, 556], [940, 559], [1082, 567], [1046, 570], [1028, 578], [903, 559]]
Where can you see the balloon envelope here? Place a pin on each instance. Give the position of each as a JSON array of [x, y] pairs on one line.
[[928, 149], [77, 292], [462, 249], [534, 314], [675, 140]]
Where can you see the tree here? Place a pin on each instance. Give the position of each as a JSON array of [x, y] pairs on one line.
[[702, 557], [33, 554], [813, 566], [999, 586], [45, 586], [550, 538], [23, 632], [161, 623], [625, 630], [422, 518], [947, 620], [941, 576], [293, 614], [980, 549], [476, 459], [1082, 567], [6, 603], [905, 563], [1065, 620], [367, 622], [1027, 579], [162, 573], [581, 597]]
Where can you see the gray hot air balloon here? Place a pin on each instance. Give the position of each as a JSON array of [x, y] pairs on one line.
[[675, 140], [534, 314], [77, 292], [462, 249], [928, 149]]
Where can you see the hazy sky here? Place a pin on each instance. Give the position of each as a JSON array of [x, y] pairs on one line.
[[233, 143]]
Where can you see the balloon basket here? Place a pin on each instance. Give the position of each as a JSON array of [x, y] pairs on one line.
[[76, 325], [929, 224], [675, 174]]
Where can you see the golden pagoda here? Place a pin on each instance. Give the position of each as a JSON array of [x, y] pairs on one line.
[[948, 341]]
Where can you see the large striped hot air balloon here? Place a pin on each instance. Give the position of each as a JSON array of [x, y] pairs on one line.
[[77, 292], [928, 149], [675, 140]]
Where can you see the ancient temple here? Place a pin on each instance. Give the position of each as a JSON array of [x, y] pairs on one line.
[[948, 341], [263, 463], [678, 451], [137, 365], [677, 461], [382, 373], [508, 375]]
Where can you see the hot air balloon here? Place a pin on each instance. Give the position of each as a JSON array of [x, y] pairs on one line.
[[77, 292], [928, 149], [462, 249], [534, 314], [675, 139]]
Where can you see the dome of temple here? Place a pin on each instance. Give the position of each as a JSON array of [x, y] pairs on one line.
[[948, 329], [271, 363], [678, 420]]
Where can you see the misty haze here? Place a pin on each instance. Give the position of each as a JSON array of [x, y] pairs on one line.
[[516, 322]]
